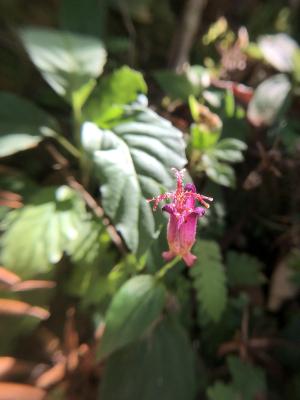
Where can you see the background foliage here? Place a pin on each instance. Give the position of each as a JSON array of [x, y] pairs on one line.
[[98, 101]]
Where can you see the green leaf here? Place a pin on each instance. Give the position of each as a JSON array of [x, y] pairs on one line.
[[296, 65], [67, 61], [229, 150], [159, 367], [209, 279], [278, 50], [37, 234], [22, 124], [133, 162], [218, 172], [112, 93], [249, 381], [203, 138], [243, 269], [86, 17], [222, 391], [134, 308], [269, 101], [181, 86]]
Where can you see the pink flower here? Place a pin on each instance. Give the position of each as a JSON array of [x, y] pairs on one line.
[[183, 218]]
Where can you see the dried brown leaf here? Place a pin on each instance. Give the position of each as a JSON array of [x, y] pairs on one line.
[[20, 308], [16, 391]]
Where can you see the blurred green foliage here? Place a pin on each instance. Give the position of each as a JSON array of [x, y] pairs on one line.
[[82, 148]]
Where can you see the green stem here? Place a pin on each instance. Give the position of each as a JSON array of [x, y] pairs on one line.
[[68, 146], [84, 161], [161, 273]]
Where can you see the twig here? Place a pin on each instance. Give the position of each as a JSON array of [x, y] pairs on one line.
[[87, 197], [184, 36]]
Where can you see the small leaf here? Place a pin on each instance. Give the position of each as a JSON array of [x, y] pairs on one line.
[[67, 61], [278, 50], [222, 391], [209, 279], [112, 93], [243, 269], [37, 234], [133, 162], [249, 381], [22, 124], [218, 172], [133, 309], [269, 100], [158, 367], [203, 138]]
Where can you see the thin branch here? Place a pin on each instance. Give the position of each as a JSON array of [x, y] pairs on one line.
[[184, 36], [87, 197]]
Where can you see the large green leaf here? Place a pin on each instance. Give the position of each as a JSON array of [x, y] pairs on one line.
[[133, 162], [269, 100], [159, 367], [209, 279], [22, 124], [107, 100], [133, 309], [37, 234], [67, 61]]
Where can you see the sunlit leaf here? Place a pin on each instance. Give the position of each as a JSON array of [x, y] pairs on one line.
[[278, 50], [37, 235], [133, 162], [159, 367], [22, 124], [134, 307], [66, 60], [112, 93], [269, 100]]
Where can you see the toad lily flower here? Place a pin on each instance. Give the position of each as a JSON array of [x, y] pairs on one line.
[[183, 218]]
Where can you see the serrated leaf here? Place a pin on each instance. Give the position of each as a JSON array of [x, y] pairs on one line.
[[133, 309], [249, 381], [269, 100], [278, 50], [159, 367], [133, 162], [37, 234], [112, 93], [243, 269], [222, 391], [209, 279], [22, 124], [67, 61]]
